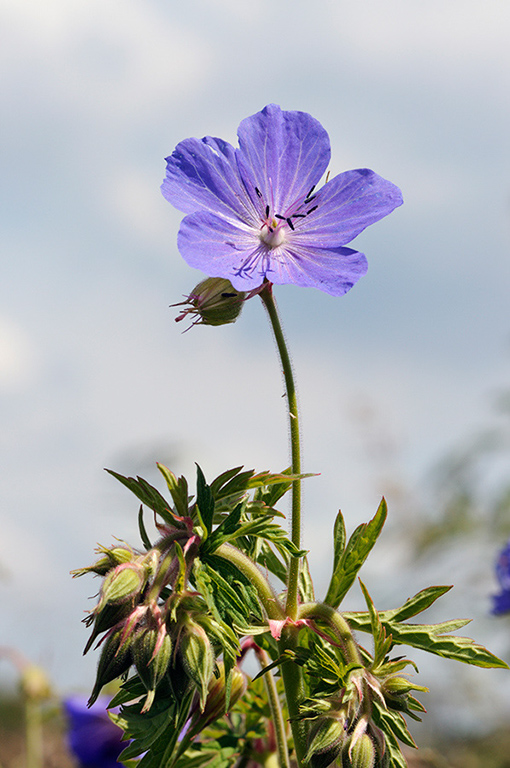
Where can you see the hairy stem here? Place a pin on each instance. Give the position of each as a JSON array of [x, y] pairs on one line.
[[292, 585], [292, 674], [276, 710]]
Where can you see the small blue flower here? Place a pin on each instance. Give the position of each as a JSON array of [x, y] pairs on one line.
[[93, 739], [502, 600], [254, 213]]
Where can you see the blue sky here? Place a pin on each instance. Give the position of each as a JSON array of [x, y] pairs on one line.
[[93, 370]]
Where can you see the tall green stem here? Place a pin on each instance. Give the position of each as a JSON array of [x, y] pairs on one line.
[[292, 674], [293, 578]]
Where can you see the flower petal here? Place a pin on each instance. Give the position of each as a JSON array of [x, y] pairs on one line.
[[221, 249], [333, 270], [283, 155], [344, 207], [202, 174]]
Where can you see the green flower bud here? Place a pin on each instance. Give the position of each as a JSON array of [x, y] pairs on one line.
[[105, 619], [326, 741], [111, 558], [215, 704], [124, 582], [115, 659], [214, 301], [151, 655], [361, 754], [197, 657]]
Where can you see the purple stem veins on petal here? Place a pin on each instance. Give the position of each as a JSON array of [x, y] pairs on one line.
[[254, 213]]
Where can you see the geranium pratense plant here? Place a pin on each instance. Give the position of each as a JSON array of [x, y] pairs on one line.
[[176, 617]]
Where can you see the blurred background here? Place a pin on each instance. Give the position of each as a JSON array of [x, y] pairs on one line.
[[401, 381]]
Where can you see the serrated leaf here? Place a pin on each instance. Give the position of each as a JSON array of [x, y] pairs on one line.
[[431, 638], [354, 555], [418, 603]]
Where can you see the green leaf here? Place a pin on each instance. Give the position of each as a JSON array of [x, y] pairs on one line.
[[148, 495], [354, 555], [418, 603], [178, 489], [143, 532], [205, 500], [431, 638]]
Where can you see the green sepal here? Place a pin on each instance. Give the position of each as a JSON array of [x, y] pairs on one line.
[[348, 562], [151, 664], [114, 661]]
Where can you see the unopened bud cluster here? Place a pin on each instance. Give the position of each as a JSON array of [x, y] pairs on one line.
[[344, 730], [150, 620]]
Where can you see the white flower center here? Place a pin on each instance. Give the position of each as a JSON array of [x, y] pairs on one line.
[[273, 236]]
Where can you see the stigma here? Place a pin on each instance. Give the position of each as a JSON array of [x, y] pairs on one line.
[[272, 236]]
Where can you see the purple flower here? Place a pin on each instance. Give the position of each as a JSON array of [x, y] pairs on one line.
[[502, 600], [254, 213], [93, 739]]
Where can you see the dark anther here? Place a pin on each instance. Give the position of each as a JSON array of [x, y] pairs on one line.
[[278, 216], [267, 211], [312, 209], [228, 295], [289, 222], [269, 228], [310, 192], [298, 216], [309, 199], [259, 193]]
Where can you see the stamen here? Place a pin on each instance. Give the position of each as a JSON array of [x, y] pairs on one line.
[[278, 216], [298, 216], [259, 193], [309, 199], [310, 192], [267, 211], [312, 209], [289, 222]]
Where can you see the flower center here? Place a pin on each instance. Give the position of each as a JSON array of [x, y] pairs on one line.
[[273, 234]]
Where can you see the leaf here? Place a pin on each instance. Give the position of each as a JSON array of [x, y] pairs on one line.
[[431, 638], [354, 555], [148, 495], [178, 489], [205, 500], [143, 532], [382, 643], [420, 602]]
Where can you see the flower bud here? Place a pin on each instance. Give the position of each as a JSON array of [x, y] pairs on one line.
[[361, 754], [326, 741], [111, 558], [151, 655], [125, 581], [115, 659], [215, 704], [214, 301], [197, 657]]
